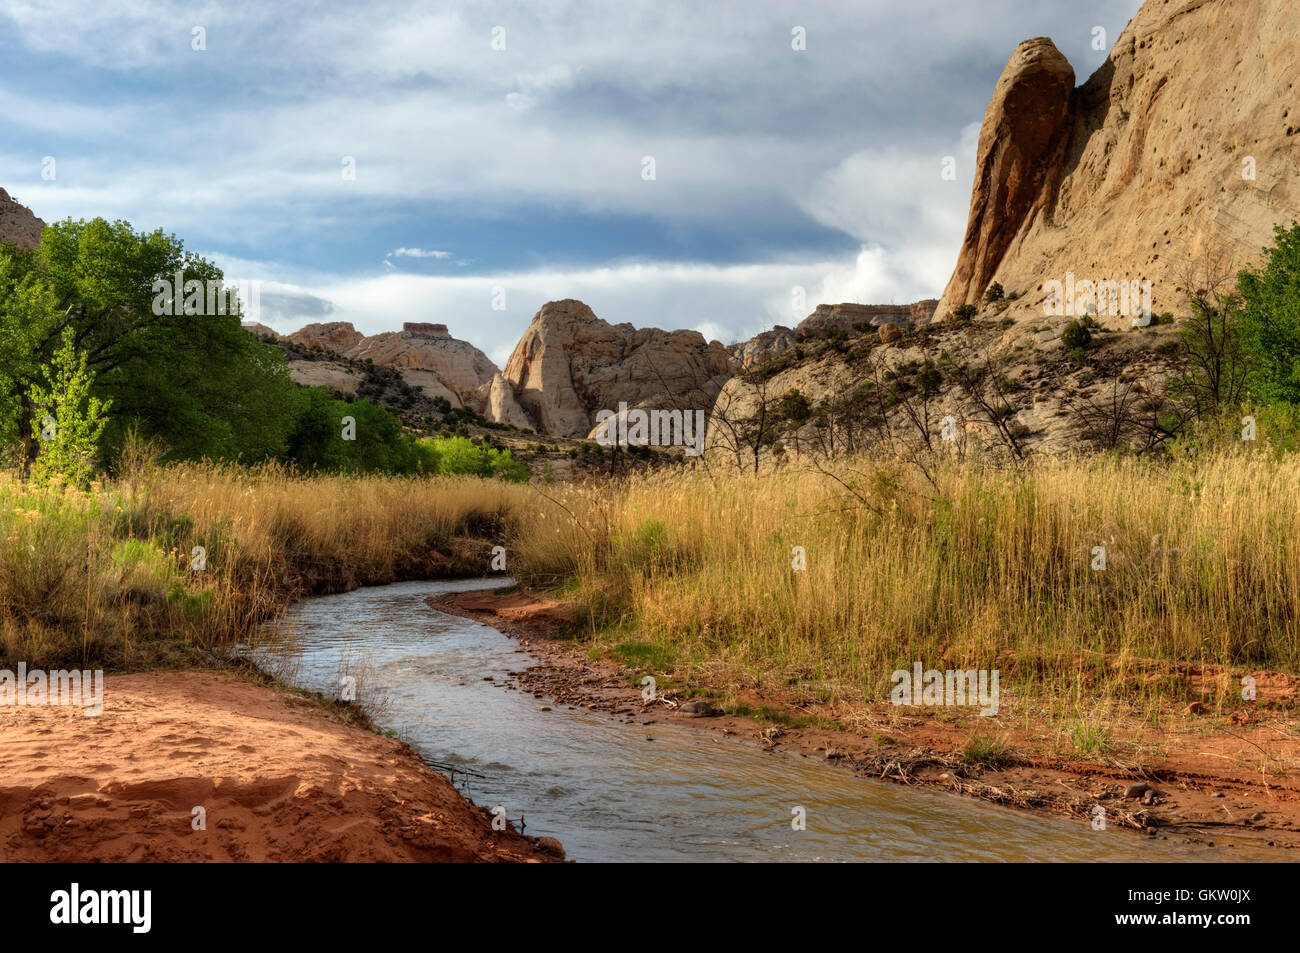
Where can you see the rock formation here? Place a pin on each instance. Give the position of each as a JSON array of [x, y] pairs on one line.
[[501, 405], [846, 317], [426, 355], [569, 364], [761, 346], [18, 226], [1182, 149]]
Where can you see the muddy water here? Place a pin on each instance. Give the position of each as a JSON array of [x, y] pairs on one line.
[[611, 791]]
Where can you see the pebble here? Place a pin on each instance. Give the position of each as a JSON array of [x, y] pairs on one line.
[[545, 708], [1217, 794], [1136, 790]]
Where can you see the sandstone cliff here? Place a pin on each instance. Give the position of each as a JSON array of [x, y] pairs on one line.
[[426, 355], [18, 226], [761, 346], [846, 317], [569, 364], [1184, 144], [499, 404]]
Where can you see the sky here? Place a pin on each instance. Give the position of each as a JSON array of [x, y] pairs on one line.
[[717, 166]]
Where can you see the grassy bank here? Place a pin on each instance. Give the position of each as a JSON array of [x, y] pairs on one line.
[[691, 575], [106, 578]]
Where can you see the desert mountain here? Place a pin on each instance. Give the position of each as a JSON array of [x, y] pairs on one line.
[[458, 365], [1183, 146], [569, 364], [18, 226], [425, 355], [826, 318]]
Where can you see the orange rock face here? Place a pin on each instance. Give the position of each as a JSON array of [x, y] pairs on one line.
[[1183, 145], [1024, 132]]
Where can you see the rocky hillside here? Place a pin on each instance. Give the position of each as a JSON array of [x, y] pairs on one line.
[[853, 317], [18, 226], [426, 355], [1173, 162], [1009, 388], [569, 364], [846, 318]]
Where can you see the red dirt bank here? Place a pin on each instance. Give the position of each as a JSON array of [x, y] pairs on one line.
[[279, 780]]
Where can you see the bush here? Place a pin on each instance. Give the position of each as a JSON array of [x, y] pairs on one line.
[[1076, 336], [994, 292], [964, 313], [462, 457]]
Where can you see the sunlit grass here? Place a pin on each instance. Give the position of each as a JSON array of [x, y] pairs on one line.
[[107, 577], [976, 568]]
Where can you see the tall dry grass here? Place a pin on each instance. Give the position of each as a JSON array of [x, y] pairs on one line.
[[106, 578], [969, 568]]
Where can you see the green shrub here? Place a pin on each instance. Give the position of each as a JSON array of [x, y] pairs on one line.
[[460, 456], [1076, 336]]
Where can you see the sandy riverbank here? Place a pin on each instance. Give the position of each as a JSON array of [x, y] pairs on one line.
[[1223, 781], [278, 778]]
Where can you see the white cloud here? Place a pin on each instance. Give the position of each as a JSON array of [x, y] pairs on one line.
[[534, 86], [418, 253], [725, 303], [239, 146]]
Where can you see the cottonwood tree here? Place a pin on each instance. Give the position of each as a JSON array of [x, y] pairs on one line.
[[68, 420], [201, 384]]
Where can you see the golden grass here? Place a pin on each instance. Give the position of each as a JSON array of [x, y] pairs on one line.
[[977, 569], [689, 574], [105, 578]]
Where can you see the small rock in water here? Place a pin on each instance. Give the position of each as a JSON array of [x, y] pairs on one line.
[[545, 708], [551, 846], [1217, 794]]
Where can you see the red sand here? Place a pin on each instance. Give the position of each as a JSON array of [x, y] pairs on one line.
[[279, 780]]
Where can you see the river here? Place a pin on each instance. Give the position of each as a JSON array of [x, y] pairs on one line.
[[612, 791]]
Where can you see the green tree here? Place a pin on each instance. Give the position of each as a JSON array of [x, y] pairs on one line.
[[26, 307], [175, 363], [1270, 319], [68, 421], [370, 441]]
